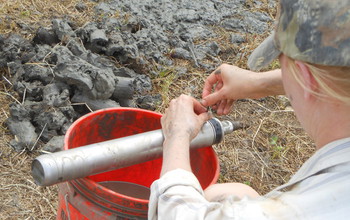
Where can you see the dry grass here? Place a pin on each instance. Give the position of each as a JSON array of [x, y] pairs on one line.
[[20, 197], [263, 155], [25, 16], [269, 151]]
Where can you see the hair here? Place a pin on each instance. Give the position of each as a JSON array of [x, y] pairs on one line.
[[333, 81]]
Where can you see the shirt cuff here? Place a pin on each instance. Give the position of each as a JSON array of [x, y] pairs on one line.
[[178, 177]]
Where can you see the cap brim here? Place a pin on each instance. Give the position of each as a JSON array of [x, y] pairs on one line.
[[264, 54]]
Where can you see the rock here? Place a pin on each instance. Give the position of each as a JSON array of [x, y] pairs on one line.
[[24, 132], [112, 25], [124, 88], [210, 48], [94, 104], [56, 94], [32, 91], [50, 123], [186, 15], [134, 25], [34, 72], [127, 103], [19, 112], [213, 48], [180, 70], [85, 31], [150, 102], [125, 72], [248, 22], [81, 6], [95, 82], [142, 84], [61, 54], [69, 112], [45, 36], [41, 52], [237, 39], [76, 47], [234, 24], [193, 32], [103, 9], [62, 29], [2, 39], [55, 144], [98, 41], [181, 53], [15, 48]]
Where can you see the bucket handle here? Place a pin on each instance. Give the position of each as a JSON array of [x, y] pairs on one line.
[[66, 201]]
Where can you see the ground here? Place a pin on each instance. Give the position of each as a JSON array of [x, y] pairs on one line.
[[263, 155]]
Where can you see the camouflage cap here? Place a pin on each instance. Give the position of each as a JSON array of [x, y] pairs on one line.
[[313, 31]]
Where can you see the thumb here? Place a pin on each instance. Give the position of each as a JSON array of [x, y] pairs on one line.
[[212, 99], [205, 116]]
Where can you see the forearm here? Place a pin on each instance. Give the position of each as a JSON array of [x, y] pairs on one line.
[[268, 83], [176, 154]]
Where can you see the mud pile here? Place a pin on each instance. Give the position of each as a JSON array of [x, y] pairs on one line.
[[66, 71]]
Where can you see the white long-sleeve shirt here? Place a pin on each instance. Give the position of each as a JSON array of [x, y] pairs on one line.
[[319, 190]]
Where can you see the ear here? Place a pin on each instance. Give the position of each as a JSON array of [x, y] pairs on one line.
[[308, 79]]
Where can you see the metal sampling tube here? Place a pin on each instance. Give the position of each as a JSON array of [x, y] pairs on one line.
[[49, 169]]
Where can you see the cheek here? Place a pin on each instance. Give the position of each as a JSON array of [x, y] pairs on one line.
[[286, 78], [286, 84]]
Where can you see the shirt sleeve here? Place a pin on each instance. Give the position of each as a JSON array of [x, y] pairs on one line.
[[178, 195]]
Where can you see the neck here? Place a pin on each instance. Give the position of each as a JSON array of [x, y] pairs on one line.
[[331, 123]]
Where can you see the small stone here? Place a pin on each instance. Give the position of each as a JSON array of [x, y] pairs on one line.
[[237, 39], [181, 53], [81, 6], [55, 144]]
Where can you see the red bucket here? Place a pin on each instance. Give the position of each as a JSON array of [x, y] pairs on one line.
[[89, 198]]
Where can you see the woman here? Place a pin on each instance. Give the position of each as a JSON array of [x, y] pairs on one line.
[[312, 42]]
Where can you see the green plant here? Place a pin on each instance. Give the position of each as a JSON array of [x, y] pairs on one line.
[[247, 183], [25, 13], [275, 64], [164, 80], [278, 150]]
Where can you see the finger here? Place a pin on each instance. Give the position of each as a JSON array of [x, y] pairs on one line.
[[228, 106], [221, 107], [204, 117], [215, 106], [198, 107], [219, 86], [162, 121], [214, 98], [209, 83]]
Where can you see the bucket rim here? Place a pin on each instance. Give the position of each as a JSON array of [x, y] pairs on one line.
[[88, 115]]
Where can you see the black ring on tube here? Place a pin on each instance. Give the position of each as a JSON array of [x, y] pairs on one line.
[[218, 131]]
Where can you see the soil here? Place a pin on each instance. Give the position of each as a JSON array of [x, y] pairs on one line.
[[62, 59]]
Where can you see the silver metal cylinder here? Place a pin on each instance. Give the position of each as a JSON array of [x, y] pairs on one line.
[[49, 169]]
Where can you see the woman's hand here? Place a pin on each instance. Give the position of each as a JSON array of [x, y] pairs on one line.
[[229, 83], [184, 118], [225, 85]]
